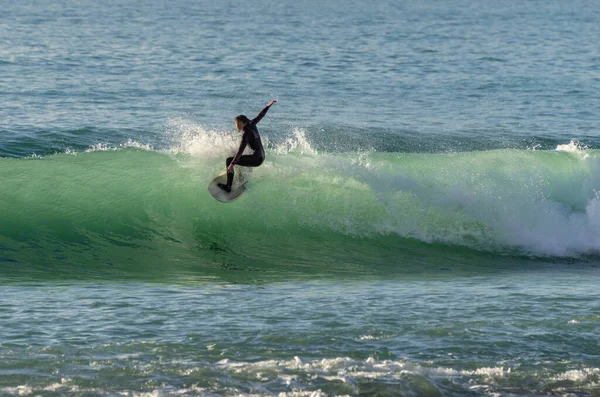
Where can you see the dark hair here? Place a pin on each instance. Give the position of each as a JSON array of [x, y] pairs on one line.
[[243, 119]]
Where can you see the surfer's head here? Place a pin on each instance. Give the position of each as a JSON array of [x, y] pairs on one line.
[[241, 122]]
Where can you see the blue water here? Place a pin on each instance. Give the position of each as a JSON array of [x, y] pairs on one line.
[[426, 222]]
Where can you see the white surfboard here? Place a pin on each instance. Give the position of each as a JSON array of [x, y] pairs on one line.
[[221, 195]]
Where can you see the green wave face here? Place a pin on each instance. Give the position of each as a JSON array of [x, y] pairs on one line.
[[135, 212]]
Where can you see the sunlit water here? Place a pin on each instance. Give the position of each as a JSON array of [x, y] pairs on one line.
[[426, 221]]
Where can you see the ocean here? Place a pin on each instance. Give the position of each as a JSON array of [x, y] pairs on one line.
[[426, 222]]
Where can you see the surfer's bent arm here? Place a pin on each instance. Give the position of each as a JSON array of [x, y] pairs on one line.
[[240, 150], [262, 113]]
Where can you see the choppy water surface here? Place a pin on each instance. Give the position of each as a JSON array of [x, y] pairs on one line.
[[426, 222]]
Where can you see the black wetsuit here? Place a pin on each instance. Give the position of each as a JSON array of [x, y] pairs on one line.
[[251, 138]]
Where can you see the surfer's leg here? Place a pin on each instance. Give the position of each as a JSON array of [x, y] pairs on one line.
[[250, 161], [230, 175], [244, 161]]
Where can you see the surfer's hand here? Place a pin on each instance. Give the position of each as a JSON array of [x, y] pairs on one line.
[[272, 102], [230, 168]]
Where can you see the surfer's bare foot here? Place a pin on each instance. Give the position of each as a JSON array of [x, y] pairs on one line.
[[224, 187]]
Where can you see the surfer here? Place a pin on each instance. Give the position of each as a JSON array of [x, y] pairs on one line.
[[251, 138]]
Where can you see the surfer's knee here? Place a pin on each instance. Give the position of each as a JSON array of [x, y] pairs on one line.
[[229, 160], [258, 159]]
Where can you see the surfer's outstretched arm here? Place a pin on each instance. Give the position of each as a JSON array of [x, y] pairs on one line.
[[262, 113]]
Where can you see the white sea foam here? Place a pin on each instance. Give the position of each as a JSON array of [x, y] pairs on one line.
[[539, 205], [187, 137], [22, 390], [573, 147], [579, 376], [105, 147], [345, 375], [297, 143]]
